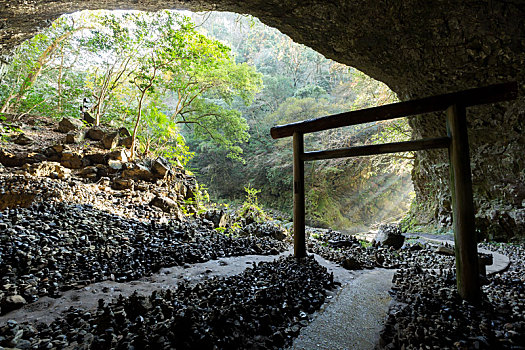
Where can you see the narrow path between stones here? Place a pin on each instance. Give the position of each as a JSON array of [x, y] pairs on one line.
[[354, 318]]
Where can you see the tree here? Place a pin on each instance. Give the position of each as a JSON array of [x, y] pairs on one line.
[[42, 48]]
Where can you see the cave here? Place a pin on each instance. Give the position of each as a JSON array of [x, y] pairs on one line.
[[418, 49]]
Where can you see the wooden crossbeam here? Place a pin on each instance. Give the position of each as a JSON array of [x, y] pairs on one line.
[[368, 150]]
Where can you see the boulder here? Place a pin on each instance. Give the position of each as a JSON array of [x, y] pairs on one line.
[[9, 159], [167, 205], [72, 160], [138, 172], [89, 172], [117, 155], [215, 216], [75, 136], [125, 142], [445, 250], [389, 236], [96, 134], [160, 167], [96, 158], [123, 132], [121, 184], [351, 263], [110, 140], [13, 302], [70, 124], [23, 140], [164, 203]]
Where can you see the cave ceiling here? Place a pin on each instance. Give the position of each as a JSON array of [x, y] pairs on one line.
[[417, 47]]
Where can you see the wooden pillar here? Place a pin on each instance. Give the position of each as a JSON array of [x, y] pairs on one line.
[[298, 196], [467, 270]]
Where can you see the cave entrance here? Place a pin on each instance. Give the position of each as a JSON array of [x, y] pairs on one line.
[[456, 142]]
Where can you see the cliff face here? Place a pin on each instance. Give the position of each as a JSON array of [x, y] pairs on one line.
[[418, 48]]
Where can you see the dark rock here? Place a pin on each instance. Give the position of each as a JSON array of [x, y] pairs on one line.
[[75, 136], [10, 159], [123, 132], [70, 124], [389, 236], [352, 264], [73, 160], [121, 184], [89, 172], [125, 142], [96, 158], [215, 216], [23, 139], [445, 250], [110, 140], [95, 134], [266, 229]]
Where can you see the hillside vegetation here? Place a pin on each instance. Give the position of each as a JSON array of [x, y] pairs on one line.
[[202, 91]]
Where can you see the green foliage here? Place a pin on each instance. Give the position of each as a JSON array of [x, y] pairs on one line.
[[364, 243], [250, 209]]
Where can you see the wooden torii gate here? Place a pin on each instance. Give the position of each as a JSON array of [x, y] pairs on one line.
[[456, 141]]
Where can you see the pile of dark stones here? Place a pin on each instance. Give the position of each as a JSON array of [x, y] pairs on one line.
[[49, 248], [262, 308], [352, 254], [429, 313]]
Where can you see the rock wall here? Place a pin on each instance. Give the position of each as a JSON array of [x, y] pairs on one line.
[[417, 47]]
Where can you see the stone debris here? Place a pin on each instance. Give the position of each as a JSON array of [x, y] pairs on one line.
[[430, 314], [354, 255], [263, 308], [49, 248]]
